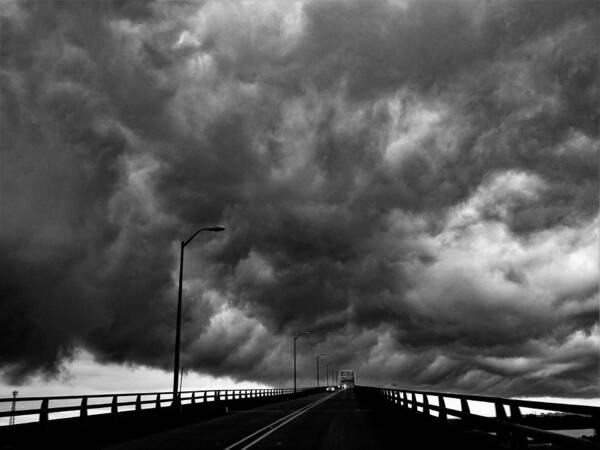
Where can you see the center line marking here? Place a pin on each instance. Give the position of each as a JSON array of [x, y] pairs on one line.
[[278, 423]]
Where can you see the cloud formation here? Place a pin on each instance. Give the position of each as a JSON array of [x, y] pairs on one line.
[[414, 182]]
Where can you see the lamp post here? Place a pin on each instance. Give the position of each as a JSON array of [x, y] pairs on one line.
[[327, 374], [319, 355], [178, 327], [295, 338]]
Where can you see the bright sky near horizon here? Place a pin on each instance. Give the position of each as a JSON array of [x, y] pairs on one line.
[[84, 375]]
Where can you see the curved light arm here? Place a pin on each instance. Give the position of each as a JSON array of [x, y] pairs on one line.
[[215, 229], [300, 334]]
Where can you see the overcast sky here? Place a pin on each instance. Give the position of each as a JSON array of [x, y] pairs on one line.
[[414, 182]]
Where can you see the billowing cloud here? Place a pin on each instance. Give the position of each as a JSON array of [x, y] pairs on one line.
[[414, 182]]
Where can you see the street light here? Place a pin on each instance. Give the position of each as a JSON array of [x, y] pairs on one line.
[[295, 338], [327, 374], [319, 355], [178, 327]]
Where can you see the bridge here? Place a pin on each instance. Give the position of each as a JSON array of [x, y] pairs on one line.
[[358, 418]]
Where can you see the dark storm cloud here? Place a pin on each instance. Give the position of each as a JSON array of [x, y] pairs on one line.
[[416, 183]]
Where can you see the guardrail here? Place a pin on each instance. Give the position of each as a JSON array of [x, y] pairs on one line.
[[63, 406], [512, 428]]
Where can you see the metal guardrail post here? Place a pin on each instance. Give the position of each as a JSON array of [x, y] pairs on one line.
[[138, 403], [157, 401], [500, 412], [83, 407], [425, 404], [114, 409], [44, 411], [515, 413], [501, 434], [464, 406], [414, 401], [405, 400], [442, 405], [204, 398], [517, 440]]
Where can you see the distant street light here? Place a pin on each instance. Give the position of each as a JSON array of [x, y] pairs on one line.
[[322, 354], [178, 327], [295, 338], [327, 374]]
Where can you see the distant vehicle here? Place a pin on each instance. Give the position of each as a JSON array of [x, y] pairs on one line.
[[346, 378], [330, 388]]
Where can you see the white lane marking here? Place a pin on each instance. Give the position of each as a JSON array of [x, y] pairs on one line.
[[251, 411], [290, 417], [277, 421], [298, 414], [264, 428]]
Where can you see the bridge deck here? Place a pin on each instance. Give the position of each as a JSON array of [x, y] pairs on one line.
[[320, 421]]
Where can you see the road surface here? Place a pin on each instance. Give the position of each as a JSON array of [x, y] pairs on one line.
[[321, 421]]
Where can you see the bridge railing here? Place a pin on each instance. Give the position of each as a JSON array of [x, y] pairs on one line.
[[43, 409], [508, 422]]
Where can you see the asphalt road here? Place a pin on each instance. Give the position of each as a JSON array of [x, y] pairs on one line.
[[340, 422], [320, 421], [220, 432]]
